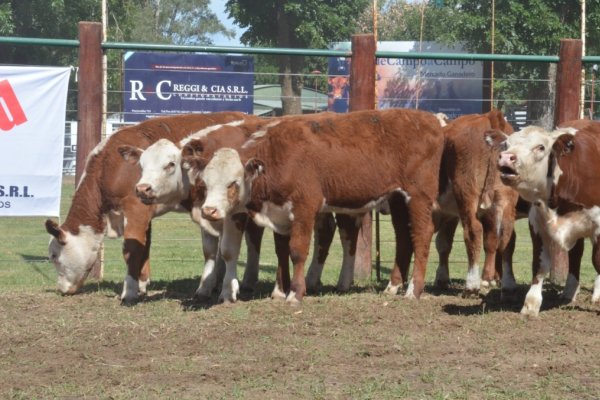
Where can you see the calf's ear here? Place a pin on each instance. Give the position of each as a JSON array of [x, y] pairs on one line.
[[53, 229], [564, 144], [130, 154], [495, 138], [191, 155], [254, 167]]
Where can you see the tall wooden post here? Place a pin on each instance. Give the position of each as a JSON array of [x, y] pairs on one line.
[[568, 81], [362, 97], [89, 95], [566, 107], [89, 105]]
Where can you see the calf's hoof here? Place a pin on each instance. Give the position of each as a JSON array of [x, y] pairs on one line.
[[293, 300], [531, 307], [227, 299], [391, 289], [277, 294]]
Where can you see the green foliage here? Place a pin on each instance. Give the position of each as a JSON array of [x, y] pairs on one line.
[[6, 21], [184, 22], [312, 23]]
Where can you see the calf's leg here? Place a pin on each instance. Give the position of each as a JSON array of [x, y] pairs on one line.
[[136, 247], [323, 236], [282, 278], [443, 243], [253, 235], [404, 247]]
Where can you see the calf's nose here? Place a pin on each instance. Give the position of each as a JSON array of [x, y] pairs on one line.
[[506, 159], [143, 190], [211, 213]]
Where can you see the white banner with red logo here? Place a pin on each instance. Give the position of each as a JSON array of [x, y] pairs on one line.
[[32, 127]]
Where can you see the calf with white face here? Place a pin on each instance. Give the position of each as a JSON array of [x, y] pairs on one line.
[[526, 165], [162, 181], [165, 182], [299, 169]]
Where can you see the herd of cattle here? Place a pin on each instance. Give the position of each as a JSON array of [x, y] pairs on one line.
[[237, 174]]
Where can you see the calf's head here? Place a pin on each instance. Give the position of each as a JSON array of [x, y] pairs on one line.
[[73, 254], [162, 180], [228, 183], [524, 161]]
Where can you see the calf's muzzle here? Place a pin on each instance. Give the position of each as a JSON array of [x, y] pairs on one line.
[[211, 214]]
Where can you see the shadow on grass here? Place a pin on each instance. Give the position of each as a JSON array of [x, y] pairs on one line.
[[497, 301], [40, 264]]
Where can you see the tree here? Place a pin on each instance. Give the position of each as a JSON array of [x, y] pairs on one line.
[[183, 22], [6, 22], [295, 24], [43, 19]]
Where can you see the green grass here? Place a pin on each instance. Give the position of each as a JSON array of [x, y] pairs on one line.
[[177, 255]]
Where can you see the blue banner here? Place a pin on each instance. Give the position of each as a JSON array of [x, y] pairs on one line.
[[164, 83]]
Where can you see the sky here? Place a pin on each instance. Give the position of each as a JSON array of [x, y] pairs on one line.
[[218, 7]]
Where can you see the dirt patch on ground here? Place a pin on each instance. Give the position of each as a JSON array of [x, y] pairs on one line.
[[363, 345]]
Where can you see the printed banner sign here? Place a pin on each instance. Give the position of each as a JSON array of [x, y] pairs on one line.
[[162, 83], [32, 126], [453, 87]]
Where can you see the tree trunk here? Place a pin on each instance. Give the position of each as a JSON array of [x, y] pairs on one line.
[[289, 78]]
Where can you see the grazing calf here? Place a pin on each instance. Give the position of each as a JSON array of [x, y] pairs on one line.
[[526, 164], [472, 191], [108, 185], [345, 164]]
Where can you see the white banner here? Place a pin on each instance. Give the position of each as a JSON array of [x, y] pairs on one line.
[[32, 125]]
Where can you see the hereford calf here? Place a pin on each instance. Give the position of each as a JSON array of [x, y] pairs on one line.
[[345, 164], [199, 149], [527, 165], [472, 191], [164, 183], [108, 184]]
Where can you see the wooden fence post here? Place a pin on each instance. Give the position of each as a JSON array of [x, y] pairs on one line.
[[89, 92], [89, 103], [362, 97], [568, 81], [566, 107]]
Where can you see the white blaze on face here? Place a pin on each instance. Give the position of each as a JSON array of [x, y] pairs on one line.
[[74, 259], [224, 180], [161, 170], [524, 163]]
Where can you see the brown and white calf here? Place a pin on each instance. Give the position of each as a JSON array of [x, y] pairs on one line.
[[164, 183], [527, 164], [471, 191], [346, 164], [200, 148], [108, 185]]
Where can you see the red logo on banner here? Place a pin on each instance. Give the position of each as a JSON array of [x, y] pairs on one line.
[[11, 113]]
